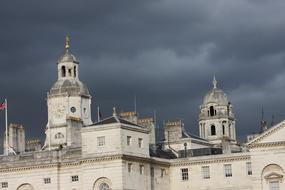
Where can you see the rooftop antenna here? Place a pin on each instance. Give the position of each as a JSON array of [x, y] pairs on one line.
[[135, 103], [262, 113], [272, 120]]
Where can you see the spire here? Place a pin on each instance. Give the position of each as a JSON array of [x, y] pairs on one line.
[[67, 43], [114, 111], [214, 82], [262, 114], [263, 123]]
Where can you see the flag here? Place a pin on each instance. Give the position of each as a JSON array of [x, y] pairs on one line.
[[2, 106]]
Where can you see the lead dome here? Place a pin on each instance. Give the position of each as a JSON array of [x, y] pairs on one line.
[[67, 57], [69, 87], [216, 95]]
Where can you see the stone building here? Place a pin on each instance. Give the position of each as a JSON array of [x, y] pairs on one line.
[[120, 152]]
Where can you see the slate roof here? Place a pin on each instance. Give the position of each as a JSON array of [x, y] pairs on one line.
[[160, 153], [115, 119], [186, 134], [69, 86]]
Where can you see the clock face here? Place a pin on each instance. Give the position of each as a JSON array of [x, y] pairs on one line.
[[73, 109], [59, 110]]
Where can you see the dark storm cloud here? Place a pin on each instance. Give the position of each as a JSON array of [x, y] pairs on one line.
[[165, 52]]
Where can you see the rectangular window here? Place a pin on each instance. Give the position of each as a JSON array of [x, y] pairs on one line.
[[47, 180], [248, 168], [101, 141], [129, 140], [141, 169], [228, 170], [206, 172], [162, 173], [140, 142], [74, 178], [184, 174], [4, 184], [274, 185], [130, 167]]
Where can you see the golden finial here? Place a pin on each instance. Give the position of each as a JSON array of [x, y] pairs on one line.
[[67, 42]]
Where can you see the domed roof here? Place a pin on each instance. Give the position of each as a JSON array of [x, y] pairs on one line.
[[216, 95], [70, 87], [67, 57]]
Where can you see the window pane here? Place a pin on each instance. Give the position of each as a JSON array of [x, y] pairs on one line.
[[228, 170], [184, 174], [129, 139], [248, 168], [274, 185], [206, 172], [101, 141]]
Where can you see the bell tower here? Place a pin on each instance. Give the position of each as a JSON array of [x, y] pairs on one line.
[[68, 102], [216, 118]]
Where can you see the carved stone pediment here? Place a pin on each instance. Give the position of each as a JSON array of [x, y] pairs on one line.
[[273, 176], [273, 136]]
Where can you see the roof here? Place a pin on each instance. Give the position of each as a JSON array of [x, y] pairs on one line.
[[67, 57], [160, 153], [216, 95], [186, 134], [115, 119], [70, 87]]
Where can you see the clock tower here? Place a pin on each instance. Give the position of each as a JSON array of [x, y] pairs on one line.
[[69, 104]]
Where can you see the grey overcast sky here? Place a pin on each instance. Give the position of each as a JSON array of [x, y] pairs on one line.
[[163, 51]]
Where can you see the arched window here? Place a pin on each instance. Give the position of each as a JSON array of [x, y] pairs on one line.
[[74, 71], [104, 186], [63, 71], [212, 111], [25, 186], [213, 130], [224, 128], [69, 72]]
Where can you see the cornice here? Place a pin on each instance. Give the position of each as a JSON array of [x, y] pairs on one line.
[[190, 161], [267, 145], [62, 164]]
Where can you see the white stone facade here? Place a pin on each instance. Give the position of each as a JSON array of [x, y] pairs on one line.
[[119, 154]]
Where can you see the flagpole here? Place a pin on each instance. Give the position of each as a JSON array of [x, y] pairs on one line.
[[135, 103], [6, 122]]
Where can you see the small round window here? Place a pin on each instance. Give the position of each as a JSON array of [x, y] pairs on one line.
[[73, 109]]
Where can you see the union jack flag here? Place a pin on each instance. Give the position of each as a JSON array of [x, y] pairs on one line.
[[2, 106]]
